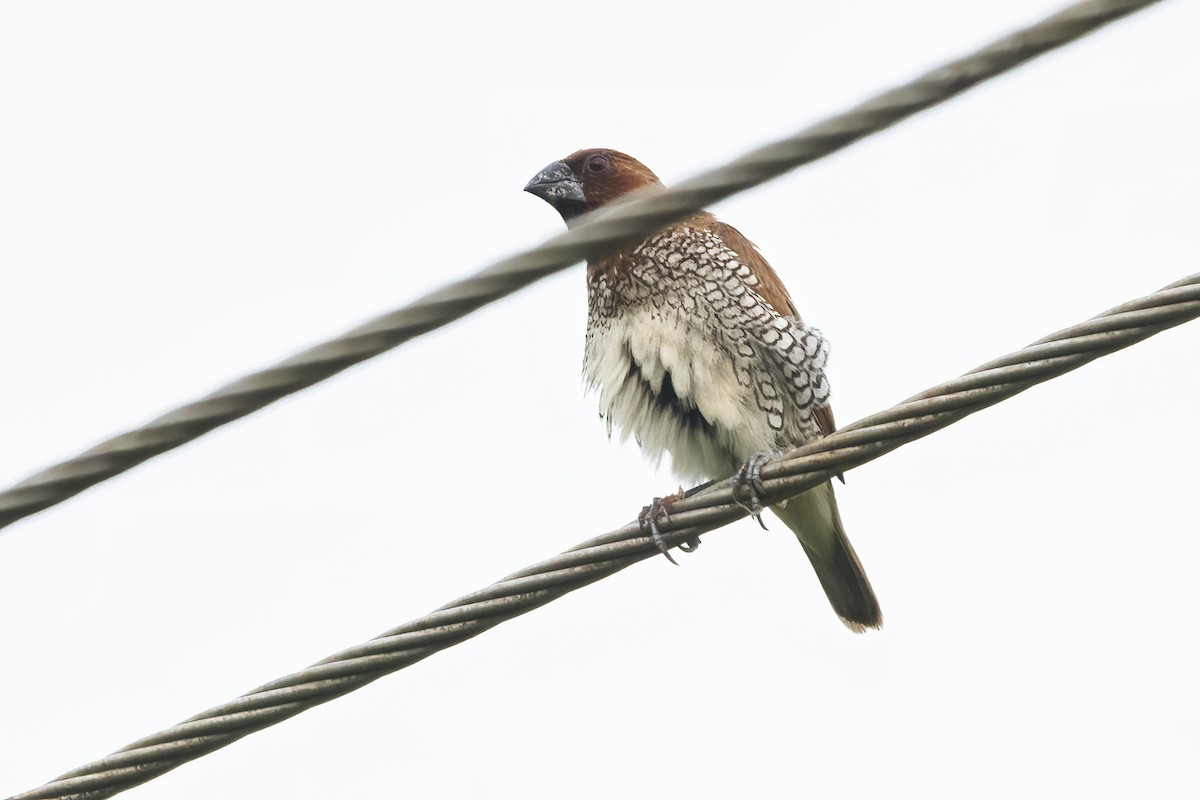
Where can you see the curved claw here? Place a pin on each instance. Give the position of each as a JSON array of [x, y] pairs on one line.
[[749, 481], [648, 519]]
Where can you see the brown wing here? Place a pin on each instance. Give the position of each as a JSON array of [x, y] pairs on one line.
[[824, 415], [770, 288]]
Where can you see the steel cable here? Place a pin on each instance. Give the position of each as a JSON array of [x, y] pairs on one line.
[[631, 220], [605, 555]]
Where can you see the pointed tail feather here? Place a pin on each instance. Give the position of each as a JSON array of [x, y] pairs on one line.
[[814, 518]]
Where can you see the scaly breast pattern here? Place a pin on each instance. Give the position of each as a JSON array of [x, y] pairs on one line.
[[690, 360]]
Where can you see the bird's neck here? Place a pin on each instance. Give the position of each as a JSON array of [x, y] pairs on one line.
[[617, 266]]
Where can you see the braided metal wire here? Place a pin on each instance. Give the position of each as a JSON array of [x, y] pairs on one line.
[[605, 555], [635, 219]]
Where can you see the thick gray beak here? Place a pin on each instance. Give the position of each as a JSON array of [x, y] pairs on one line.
[[558, 186]]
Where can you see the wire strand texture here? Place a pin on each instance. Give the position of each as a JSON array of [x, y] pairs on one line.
[[631, 220], [610, 553]]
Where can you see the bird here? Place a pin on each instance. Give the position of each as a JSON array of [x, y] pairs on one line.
[[696, 350]]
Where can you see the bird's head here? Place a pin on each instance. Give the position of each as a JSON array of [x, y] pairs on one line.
[[587, 179]]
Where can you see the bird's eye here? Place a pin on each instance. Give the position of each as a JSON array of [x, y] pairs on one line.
[[597, 164]]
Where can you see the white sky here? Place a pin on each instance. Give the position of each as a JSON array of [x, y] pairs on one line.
[[189, 191]]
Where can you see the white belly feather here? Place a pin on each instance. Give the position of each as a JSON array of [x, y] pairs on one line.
[[647, 348]]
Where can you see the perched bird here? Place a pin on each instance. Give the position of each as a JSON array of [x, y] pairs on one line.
[[696, 350]]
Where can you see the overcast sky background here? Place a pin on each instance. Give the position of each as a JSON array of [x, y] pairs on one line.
[[190, 191]]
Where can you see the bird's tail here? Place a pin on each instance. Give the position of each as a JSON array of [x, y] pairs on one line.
[[813, 517]]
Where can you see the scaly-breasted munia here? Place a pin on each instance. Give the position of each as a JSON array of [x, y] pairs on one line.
[[696, 350]]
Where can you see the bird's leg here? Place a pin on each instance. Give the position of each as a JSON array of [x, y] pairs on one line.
[[748, 482], [648, 519]]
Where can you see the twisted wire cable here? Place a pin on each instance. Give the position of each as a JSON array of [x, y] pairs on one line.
[[635, 219], [605, 555]]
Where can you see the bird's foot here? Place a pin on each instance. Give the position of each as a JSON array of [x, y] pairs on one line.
[[747, 481], [649, 517]]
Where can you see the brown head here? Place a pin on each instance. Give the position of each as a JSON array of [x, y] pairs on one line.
[[587, 179]]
